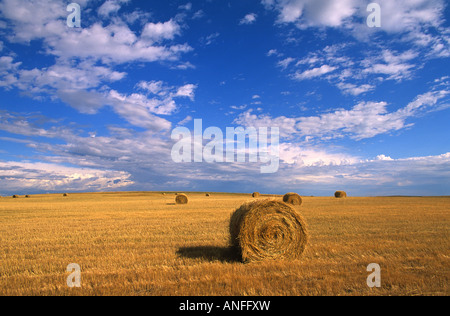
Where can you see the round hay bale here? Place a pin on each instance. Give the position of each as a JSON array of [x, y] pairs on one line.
[[15, 196], [181, 199], [292, 198], [268, 230], [256, 194], [208, 195], [65, 195], [27, 196], [340, 194]]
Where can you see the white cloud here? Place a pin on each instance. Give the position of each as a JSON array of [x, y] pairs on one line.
[[249, 19], [161, 89], [137, 109], [161, 31], [286, 62], [187, 7], [397, 16], [304, 156], [33, 19], [272, 52], [405, 15], [286, 125], [116, 42], [208, 40], [7, 69], [365, 120], [198, 15], [187, 91], [185, 121], [110, 7], [313, 13], [144, 158], [38, 176], [141, 110], [353, 89], [394, 66], [315, 72], [384, 158]]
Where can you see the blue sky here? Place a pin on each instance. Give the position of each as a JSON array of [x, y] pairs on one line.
[[360, 109]]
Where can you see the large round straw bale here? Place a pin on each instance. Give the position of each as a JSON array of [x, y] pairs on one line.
[[208, 195], [256, 194], [181, 199], [340, 194], [292, 198], [65, 195], [15, 196], [268, 230]]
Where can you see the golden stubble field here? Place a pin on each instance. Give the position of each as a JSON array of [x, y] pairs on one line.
[[144, 244]]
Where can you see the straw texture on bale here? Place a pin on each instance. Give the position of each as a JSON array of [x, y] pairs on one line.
[[268, 230], [256, 194], [340, 194], [181, 199], [292, 198]]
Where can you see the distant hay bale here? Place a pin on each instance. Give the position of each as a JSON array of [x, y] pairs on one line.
[[65, 195], [208, 195], [268, 230], [27, 196], [15, 196], [181, 199], [292, 198], [256, 194], [340, 194]]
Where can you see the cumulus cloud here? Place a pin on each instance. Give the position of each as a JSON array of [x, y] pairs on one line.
[[111, 7], [313, 13], [249, 19], [116, 42], [161, 31], [397, 16]]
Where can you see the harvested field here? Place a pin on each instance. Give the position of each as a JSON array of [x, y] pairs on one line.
[[143, 244]]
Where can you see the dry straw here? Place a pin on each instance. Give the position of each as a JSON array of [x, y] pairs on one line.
[[256, 194], [268, 230], [292, 198], [65, 195], [181, 199], [340, 194]]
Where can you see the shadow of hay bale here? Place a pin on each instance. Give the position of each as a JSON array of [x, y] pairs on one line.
[[210, 253]]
